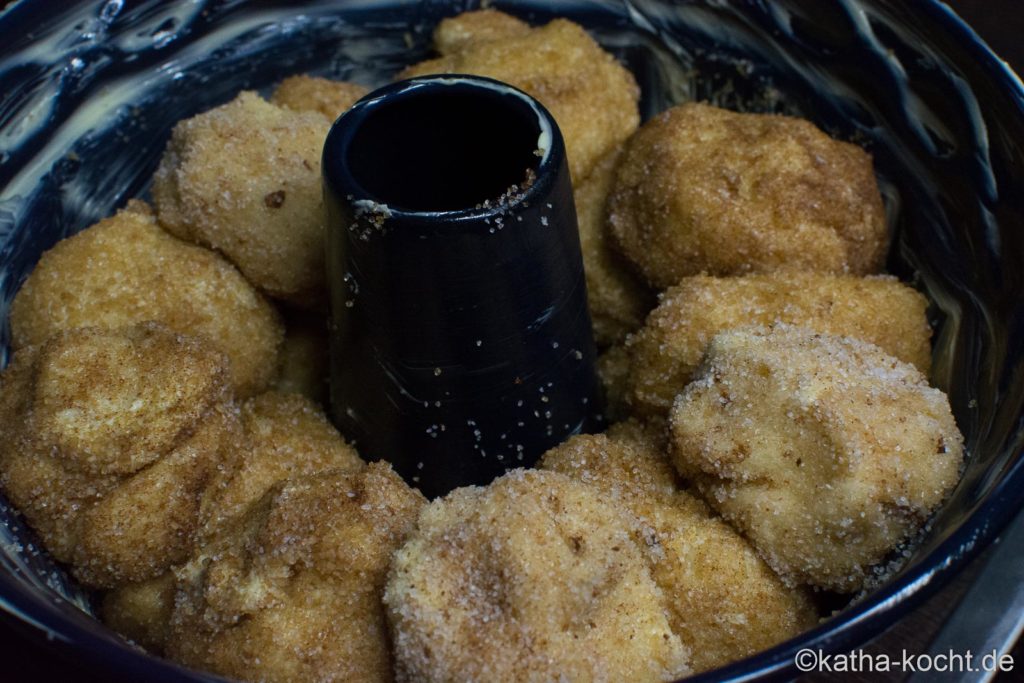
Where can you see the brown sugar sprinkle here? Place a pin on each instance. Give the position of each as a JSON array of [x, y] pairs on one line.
[[274, 200]]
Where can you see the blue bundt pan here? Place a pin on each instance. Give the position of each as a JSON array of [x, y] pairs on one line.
[[89, 92]]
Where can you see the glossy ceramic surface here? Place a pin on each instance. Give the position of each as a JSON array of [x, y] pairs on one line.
[[91, 90]]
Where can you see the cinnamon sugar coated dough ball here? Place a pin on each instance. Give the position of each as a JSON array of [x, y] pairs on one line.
[[667, 350], [618, 301], [723, 601], [111, 436], [310, 93], [534, 578], [592, 97], [293, 592], [824, 451], [244, 179], [126, 270], [283, 436], [456, 33], [705, 190], [286, 435]]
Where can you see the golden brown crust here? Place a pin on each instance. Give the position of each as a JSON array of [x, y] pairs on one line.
[[293, 592], [618, 301], [592, 97], [286, 436], [533, 578], [244, 179], [619, 464], [723, 601], [311, 93], [667, 350], [824, 451], [283, 436], [457, 33], [126, 270], [705, 190], [112, 445]]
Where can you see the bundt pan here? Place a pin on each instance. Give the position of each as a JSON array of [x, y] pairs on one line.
[[89, 92]]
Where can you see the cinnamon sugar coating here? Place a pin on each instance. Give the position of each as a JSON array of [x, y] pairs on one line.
[[665, 352], [723, 601], [292, 591], [126, 270], [112, 437], [532, 578], [244, 179], [824, 451], [706, 190], [312, 93], [618, 301]]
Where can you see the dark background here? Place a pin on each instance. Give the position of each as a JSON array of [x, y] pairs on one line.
[[1001, 24]]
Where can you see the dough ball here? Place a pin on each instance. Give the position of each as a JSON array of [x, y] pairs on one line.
[[665, 353], [111, 438], [293, 593], [723, 601], [533, 578], [480, 26], [286, 435], [705, 190], [618, 301], [824, 451], [283, 436], [627, 466], [244, 179], [592, 97], [126, 270], [311, 93]]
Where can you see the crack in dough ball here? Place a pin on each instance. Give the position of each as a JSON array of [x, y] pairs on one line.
[[705, 190], [293, 591], [664, 354], [591, 96], [286, 436], [126, 270], [723, 601], [310, 93], [534, 578], [112, 437], [618, 301], [244, 179], [824, 451]]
